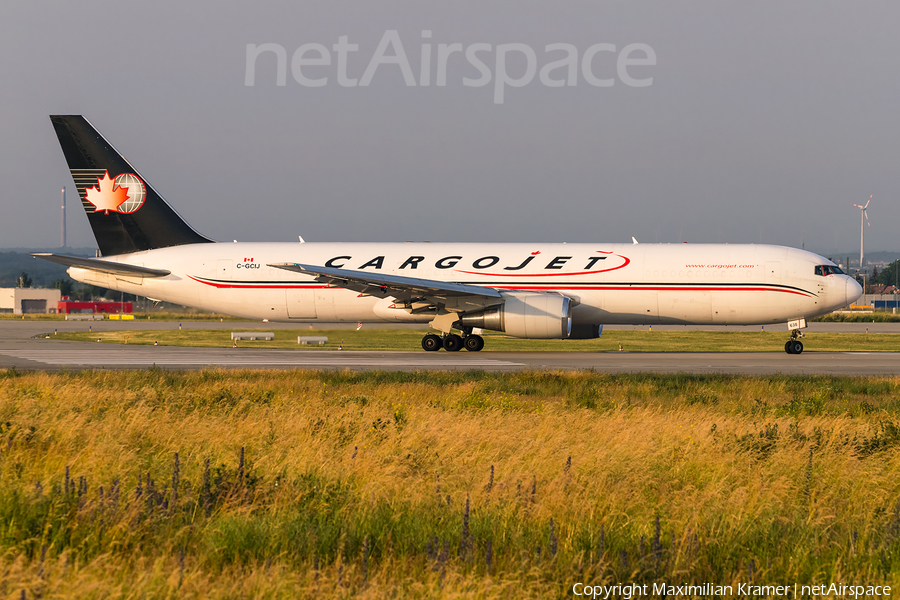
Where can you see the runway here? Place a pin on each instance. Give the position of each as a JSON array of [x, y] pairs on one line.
[[87, 356], [19, 348]]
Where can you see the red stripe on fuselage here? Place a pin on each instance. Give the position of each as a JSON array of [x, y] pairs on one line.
[[242, 286], [638, 287], [546, 288]]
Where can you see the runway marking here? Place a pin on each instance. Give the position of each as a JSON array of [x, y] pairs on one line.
[[101, 358]]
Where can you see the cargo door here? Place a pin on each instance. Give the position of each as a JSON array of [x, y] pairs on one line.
[[301, 303], [325, 303]]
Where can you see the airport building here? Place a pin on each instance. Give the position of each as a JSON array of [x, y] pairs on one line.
[[68, 307], [23, 301]]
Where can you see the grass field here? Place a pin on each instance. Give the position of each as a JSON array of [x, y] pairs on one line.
[[264, 484], [410, 339]]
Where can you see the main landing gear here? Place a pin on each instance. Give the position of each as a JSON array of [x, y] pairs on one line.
[[452, 342], [432, 343]]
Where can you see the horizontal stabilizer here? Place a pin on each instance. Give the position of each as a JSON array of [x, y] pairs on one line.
[[102, 266]]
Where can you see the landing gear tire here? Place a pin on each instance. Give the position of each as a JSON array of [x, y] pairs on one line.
[[453, 343], [431, 343], [473, 343], [793, 347]]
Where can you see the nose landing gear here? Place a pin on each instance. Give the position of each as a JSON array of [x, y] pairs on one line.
[[794, 345]]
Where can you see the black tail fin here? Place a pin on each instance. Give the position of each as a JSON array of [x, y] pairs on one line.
[[125, 212]]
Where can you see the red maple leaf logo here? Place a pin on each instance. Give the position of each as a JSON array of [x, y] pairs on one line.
[[106, 196]]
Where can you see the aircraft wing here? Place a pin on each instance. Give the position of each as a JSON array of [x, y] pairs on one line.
[[103, 266], [395, 286]]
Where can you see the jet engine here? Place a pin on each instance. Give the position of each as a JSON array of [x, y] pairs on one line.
[[525, 315]]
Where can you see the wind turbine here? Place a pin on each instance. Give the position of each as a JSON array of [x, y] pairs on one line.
[[862, 215]]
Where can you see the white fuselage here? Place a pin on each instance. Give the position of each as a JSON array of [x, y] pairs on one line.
[[610, 283]]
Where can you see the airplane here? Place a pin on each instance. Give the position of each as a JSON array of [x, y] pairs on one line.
[[526, 290]]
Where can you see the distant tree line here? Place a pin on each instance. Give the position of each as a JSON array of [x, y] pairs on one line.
[[888, 275], [41, 273], [20, 269]]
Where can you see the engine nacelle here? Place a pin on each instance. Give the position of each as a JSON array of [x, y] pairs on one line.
[[525, 315]]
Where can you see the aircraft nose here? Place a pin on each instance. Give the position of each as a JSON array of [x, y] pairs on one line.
[[854, 290]]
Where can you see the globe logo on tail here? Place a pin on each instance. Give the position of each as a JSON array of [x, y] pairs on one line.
[[124, 194]]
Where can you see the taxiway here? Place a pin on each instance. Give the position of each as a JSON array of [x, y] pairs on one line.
[[20, 348]]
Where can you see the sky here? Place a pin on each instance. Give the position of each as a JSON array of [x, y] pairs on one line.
[[694, 121]]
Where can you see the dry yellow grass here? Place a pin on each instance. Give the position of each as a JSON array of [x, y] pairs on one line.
[[357, 483]]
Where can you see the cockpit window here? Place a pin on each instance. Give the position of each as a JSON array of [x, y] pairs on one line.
[[828, 270]]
